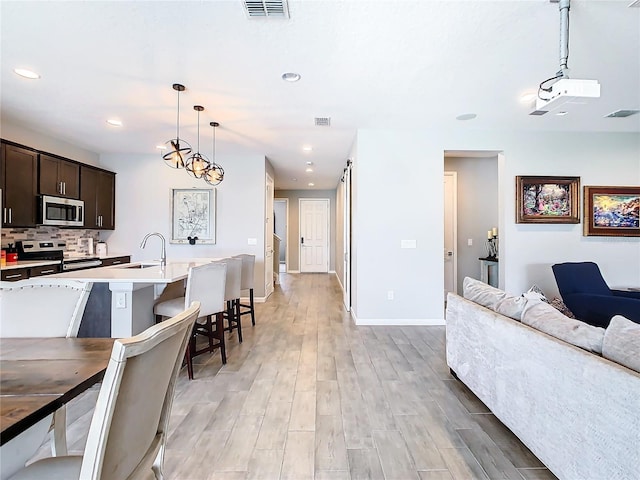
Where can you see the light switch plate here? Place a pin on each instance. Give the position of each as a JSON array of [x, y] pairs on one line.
[[252, 241], [407, 244]]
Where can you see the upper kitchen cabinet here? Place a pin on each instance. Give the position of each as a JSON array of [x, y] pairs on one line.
[[19, 173], [59, 177], [98, 190]]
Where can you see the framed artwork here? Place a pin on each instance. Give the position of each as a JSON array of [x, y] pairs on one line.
[[612, 211], [193, 215], [547, 199]]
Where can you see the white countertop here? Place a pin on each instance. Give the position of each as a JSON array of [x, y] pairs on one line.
[[172, 272]]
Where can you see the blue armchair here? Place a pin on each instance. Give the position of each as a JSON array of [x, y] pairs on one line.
[[587, 295]]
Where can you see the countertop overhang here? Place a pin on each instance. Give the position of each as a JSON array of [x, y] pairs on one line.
[[133, 273]]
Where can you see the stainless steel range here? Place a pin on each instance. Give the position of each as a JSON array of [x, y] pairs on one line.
[[54, 250]]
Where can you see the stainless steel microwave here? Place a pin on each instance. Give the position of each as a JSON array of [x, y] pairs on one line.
[[62, 212]]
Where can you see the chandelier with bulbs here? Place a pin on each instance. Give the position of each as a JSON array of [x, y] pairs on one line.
[[178, 154]]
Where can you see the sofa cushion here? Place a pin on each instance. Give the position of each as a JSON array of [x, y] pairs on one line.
[[544, 317], [622, 342], [481, 293]]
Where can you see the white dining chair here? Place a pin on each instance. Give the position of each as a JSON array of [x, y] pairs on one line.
[[39, 307], [246, 285], [206, 284], [232, 294], [128, 429]]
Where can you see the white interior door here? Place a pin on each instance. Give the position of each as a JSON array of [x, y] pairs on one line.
[[346, 281], [450, 232], [268, 237], [314, 235]]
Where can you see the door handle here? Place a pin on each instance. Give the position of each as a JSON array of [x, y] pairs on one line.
[[10, 219], [302, 240]]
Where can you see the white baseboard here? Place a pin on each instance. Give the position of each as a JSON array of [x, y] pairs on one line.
[[397, 322], [255, 300], [293, 271]]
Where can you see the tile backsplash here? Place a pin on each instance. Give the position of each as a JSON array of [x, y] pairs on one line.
[[68, 235]]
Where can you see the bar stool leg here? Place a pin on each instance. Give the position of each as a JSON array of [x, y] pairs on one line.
[[253, 314], [220, 336]]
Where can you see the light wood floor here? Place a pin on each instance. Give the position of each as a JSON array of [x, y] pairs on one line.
[[308, 395]]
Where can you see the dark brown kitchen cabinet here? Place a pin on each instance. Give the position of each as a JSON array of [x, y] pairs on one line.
[[14, 274], [44, 270], [107, 262], [59, 177], [18, 180], [98, 189]]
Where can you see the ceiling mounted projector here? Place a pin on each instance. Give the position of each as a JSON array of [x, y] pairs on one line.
[[565, 94]]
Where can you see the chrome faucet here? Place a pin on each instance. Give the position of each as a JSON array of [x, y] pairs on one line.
[[163, 254]]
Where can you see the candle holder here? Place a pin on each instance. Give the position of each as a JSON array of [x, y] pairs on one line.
[[492, 247]]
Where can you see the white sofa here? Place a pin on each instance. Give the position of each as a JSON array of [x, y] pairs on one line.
[[578, 412]]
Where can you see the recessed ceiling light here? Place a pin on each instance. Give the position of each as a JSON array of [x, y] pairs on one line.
[[466, 116], [307, 148], [294, 179], [527, 97], [291, 77], [23, 72], [114, 122], [309, 170], [309, 163], [311, 184], [561, 114], [161, 147]]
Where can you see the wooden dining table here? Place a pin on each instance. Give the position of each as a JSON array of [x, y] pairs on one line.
[[39, 375]]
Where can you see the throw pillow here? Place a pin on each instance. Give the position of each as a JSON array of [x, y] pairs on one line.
[[481, 293], [622, 342], [511, 306], [547, 319], [535, 293], [559, 305]]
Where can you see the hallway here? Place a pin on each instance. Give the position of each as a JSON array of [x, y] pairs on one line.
[[310, 395]]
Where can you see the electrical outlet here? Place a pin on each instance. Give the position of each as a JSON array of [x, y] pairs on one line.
[[390, 295], [121, 300], [252, 241], [470, 242]]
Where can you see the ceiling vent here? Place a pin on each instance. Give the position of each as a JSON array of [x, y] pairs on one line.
[[323, 121], [266, 8], [622, 113]]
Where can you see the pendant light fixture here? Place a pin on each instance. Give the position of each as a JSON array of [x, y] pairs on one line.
[[215, 174], [197, 164], [178, 150]]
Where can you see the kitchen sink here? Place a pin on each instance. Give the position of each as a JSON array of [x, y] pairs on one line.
[[140, 265]]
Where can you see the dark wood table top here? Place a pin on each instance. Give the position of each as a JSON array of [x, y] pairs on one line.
[[39, 375]]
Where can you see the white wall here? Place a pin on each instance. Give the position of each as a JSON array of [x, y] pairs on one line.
[[143, 193], [399, 196]]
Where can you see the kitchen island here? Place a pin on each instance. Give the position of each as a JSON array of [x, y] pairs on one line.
[[134, 288]]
